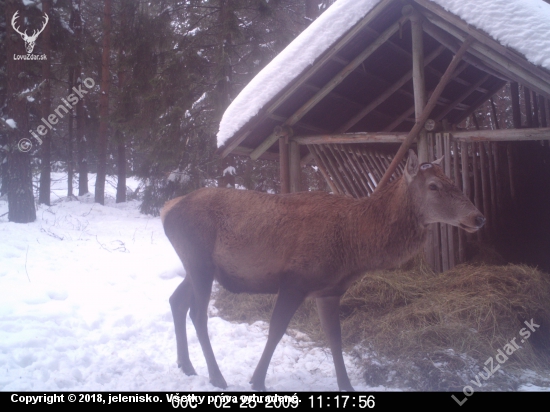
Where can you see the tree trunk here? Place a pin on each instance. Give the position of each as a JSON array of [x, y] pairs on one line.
[[223, 83], [119, 135], [103, 107], [121, 168], [82, 163], [46, 152], [20, 191], [70, 162]]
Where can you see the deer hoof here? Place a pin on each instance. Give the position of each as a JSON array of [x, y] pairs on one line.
[[258, 386], [346, 388], [219, 382], [187, 369]]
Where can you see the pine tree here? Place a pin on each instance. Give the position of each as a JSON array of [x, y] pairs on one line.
[[19, 176]]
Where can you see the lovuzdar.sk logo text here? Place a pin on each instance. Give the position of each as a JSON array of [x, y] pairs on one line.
[[30, 41]]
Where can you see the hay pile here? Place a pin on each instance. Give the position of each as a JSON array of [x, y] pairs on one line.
[[420, 321]]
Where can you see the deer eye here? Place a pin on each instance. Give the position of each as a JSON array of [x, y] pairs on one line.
[[433, 186]]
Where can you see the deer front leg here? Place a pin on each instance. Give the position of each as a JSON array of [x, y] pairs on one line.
[[328, 309]]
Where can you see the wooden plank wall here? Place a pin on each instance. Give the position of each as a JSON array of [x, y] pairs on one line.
[[479, 169]]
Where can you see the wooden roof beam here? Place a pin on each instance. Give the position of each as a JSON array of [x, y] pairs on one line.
[[387, 93], [452, 44], [304, 76], [338, 96], [475, 105], [502, 135], [302, 125], [346, 138], [408, 55], [460, 98], [502, 60], [485, 42], [336, 80], [245, 151]]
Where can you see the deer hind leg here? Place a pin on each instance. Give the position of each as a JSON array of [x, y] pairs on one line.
[[328, 309], [288, 301], [180, 302], [202, 287]]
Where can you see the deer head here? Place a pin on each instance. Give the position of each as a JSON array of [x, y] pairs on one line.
[[29, 40]]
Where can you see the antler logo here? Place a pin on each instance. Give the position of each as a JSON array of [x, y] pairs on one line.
[[29, 40]]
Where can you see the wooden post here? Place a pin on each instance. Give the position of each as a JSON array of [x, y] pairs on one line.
[[516, 111], [495, 147], [419, 84], [444, 244], [492, 184], [542, 104], [535, 110], [450, 229], [477, 186], [295, 170], [528, 108], [419, 88], [485, 190], [467, 191], [432, 101], [510, 156], [516, 116], [284, 170]]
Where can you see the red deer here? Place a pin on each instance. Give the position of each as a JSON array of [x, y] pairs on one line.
[[300, 245]]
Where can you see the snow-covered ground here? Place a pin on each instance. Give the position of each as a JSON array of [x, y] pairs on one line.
[[84, 306]]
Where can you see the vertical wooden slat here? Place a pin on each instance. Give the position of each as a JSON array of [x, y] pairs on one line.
[[321, 166], [374, 162], [542, 103], [516, 110], [492, 184], [372, 166], [338, 157], [450, 229], [335, 176], [467, 191], [477, 183], [498, 173], [511, 172], [444, 244], [284, 164], [365, 179], [357, 175], [485, 189], [535, 110], [334, 164], [431, 248], [528, 108], [295, 170]]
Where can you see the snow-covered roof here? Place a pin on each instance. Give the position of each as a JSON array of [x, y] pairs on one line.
[[522, 25]]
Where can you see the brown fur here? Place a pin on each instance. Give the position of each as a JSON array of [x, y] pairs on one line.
[[310, 244]]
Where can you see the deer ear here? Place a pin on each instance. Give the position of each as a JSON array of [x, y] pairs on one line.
[[438, 161], [412, 166]]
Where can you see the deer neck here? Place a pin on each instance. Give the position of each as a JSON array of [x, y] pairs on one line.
[[391, 228]]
